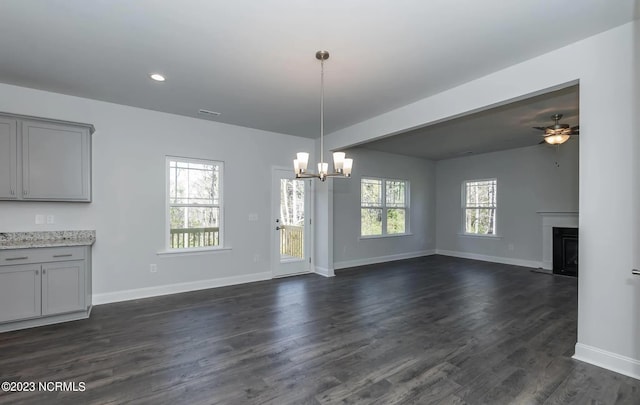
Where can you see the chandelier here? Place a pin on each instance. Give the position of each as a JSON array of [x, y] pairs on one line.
[[342, 165]]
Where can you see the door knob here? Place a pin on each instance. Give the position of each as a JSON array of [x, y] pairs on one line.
[[635, 272]]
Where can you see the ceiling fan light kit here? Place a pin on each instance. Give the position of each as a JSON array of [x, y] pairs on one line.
[[341, 164], [556, 139], [558, 133]]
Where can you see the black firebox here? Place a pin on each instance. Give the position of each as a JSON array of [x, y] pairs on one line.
[[565, 251]]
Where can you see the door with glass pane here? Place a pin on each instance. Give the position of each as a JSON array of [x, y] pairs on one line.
[[290, 224]]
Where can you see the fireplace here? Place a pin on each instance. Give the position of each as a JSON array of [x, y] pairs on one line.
[[565, 251]]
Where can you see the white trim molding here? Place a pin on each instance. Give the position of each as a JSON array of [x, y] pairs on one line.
[[323, 271], [494, 259], [138, 293], [381, 259], [605, 359]]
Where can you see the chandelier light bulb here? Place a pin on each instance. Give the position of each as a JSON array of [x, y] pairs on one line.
[[338, 161], [303, 160], [348, 164]]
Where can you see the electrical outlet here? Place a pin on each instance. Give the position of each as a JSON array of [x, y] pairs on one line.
[[511, 247], [50, 219], [153, 268], [253, 217], [39, 219], [256, 258]]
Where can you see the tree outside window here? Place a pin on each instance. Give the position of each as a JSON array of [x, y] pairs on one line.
[[383, 207], [194, 203], [479, 205]]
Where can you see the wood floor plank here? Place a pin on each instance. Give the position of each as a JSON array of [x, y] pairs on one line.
[[432, 330]]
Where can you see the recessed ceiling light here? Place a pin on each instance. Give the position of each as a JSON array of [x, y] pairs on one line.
[[157, 77]]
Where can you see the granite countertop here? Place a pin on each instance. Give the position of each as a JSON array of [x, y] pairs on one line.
[[22, 240]]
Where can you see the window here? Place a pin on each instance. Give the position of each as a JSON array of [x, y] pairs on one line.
[[383, 207], [479, 206], [194, 203]]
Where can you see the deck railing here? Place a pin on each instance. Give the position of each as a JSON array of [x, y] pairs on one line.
[[292, 241], [194, 237]]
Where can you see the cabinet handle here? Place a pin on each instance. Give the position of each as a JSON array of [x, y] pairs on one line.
[[65, 255], [37, 272], [44, 271], [17, 258]]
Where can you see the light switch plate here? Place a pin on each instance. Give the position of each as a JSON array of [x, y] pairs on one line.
[[39, 219]]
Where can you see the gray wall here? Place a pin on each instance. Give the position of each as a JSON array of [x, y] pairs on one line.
[[348, 248], [528, 181], [128, 208]]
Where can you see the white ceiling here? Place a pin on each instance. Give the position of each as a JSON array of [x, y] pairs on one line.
[[500, 128], [254, 62]]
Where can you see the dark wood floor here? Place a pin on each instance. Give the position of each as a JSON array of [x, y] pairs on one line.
[[433, 330]]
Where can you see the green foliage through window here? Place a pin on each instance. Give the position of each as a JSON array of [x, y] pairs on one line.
[[383, 206]]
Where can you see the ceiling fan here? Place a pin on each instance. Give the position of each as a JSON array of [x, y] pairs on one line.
[[558, 133]]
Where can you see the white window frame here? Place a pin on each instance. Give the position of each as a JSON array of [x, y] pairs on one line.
[[465, 208], [168, 205], [384, 208]]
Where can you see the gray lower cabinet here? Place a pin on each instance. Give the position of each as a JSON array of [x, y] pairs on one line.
[[44, 160], [63, 287], [20, 296], [53, 285]]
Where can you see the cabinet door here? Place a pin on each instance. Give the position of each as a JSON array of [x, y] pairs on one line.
[[55, 162], [63, 287], [20, 292], [8, 159]]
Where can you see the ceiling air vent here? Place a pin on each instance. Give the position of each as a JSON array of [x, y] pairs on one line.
[[208, 112]]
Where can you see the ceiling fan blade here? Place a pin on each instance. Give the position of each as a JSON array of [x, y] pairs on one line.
[[540, 128], [541, 142], [575, 133], [575, 128]]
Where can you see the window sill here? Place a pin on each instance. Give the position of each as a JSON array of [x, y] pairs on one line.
[[395, 235], [475, 235], [190, 252]]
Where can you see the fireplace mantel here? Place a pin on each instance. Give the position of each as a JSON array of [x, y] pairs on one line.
[[550, 219]]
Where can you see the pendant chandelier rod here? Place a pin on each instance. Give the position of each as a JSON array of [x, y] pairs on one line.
[[342, 165], [322, 109]]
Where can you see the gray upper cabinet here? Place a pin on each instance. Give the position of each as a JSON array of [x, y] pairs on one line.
[[8, 159], [55, 162], [44, 160]]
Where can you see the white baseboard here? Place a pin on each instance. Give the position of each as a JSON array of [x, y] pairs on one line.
[[381, 259], [127, 295], [605, 359], [494, 259], [323, 271]]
